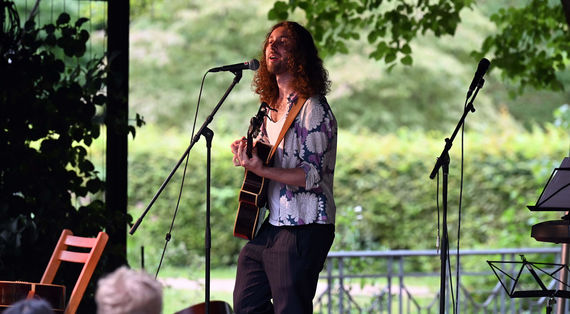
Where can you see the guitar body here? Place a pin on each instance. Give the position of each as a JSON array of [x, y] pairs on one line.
[[216, 307], [252, 198], [14, 291]]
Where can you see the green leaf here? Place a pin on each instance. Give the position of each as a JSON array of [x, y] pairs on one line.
[[94, 185], [50, 40], [49, 28], [79, 49], [281, 6], [344, 35], [377, 55], [86, 166], [342, 48], [63, 18], [132, 130], [68, 50], [80, 151], [283, 15], [67, 32], [279, 11], [140, 120], [390, 56], [380, 51], [29, 25], [372, 36], [407, 60], [272, 14], [88, 141], [84, 35], [81, 21]]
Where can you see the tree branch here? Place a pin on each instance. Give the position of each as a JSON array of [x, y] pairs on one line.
[[566, 8], [36, 7]]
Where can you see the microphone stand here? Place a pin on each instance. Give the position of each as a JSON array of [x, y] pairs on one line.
[[208, 134], [443, 162]]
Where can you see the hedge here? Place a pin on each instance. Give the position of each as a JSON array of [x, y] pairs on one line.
[[384, 197]]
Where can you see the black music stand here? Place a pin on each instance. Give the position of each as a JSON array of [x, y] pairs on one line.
[[556, 197], [534, 286], [556, 193]]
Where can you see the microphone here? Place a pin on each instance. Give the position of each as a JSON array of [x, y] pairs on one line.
[[481, 69], [252, 64]]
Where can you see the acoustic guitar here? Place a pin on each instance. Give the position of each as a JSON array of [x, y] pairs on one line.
[[14, 291], [253, 196]]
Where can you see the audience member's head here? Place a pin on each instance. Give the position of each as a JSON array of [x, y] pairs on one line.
[[126, 291], [30, 306]]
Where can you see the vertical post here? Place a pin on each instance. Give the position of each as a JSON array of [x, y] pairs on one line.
[[2, 16], [341, 284], [116, 121], [512, 271], [401, 288], [329, 283], [389, 273], [503, 296], [564, 258]]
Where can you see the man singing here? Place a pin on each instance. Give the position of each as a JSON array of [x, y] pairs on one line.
[[282, 263]]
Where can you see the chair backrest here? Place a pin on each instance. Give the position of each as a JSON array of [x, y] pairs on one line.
[[89, 259]]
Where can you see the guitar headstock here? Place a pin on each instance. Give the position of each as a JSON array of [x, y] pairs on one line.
[[255, 124]]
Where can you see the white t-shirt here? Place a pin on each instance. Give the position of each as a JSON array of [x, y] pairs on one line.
[[273, 130]]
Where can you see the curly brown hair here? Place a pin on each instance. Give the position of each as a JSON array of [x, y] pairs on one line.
[[311, 78]]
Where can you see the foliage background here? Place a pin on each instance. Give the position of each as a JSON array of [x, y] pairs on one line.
[[50, 93], [392, 126]]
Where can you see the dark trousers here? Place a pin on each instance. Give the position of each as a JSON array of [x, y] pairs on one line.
[[283, 264]]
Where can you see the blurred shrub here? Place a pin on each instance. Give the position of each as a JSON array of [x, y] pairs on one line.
[[150, 162], [384, 197]]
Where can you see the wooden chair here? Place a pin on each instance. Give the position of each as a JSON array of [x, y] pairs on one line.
[[90, 260]]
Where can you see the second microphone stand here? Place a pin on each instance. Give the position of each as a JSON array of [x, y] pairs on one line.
[[443, 162]]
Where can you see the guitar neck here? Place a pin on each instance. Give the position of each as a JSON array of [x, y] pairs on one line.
[[249, 147]]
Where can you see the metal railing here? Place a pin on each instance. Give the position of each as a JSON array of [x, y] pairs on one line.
[[389, 282]]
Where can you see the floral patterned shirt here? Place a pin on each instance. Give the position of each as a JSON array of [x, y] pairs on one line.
[[309, 144]]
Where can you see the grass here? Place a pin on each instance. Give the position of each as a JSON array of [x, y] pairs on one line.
[[193, 274], [178, 299], [189, 289]]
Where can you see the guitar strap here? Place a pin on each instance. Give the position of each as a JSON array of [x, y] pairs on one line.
[[290, 118]]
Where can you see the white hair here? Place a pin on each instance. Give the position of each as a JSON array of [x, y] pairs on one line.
[[126, 291]]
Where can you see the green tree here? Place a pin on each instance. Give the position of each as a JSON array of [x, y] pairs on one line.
[[49, 103], [531, 44]]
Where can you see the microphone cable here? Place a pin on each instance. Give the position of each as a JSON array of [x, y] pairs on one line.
[[169, 234], [460, 206], [448, 262]]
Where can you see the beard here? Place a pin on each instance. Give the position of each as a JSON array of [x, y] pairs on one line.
[[277, 68]]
